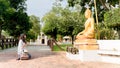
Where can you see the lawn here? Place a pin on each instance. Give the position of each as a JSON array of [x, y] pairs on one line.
[[63, 46]]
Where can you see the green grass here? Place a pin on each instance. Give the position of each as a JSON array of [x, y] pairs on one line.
[[63, 46]]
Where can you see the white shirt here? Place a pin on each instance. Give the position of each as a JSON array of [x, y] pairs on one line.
[[20, 46]]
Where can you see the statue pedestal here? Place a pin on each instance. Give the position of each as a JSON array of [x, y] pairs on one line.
[[88, 50], [85, 55], [86, 44]]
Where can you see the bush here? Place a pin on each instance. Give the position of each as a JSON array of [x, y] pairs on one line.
[[106, 34], [112, 18]]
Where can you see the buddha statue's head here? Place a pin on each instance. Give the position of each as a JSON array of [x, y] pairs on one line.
[[88, 13]]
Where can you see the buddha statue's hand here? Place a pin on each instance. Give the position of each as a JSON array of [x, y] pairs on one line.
[[78, 35]]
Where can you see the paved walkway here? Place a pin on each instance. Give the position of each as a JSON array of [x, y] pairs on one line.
[[42, 57]]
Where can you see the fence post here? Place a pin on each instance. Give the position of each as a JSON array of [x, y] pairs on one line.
[[16, 42], [6, 43], [12, 42], [2, 44]]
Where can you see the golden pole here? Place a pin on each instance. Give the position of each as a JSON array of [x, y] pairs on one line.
[[96, 19]]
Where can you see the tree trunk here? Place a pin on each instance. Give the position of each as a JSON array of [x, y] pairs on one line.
[[0, 32], [57, 44], [72, 39]]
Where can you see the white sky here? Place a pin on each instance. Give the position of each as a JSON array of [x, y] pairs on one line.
[[40, 7]]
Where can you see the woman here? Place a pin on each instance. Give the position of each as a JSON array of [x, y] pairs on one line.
[[21, 45]]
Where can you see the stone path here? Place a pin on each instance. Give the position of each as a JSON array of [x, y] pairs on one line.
[[42, 57]]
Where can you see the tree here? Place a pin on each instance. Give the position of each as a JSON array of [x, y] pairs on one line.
[[71, 23], [4, 5], [102, 5], [50, 27], [35, 30], [18, 5], [20, 21], [112, 19], [63, 21], [13, 17]]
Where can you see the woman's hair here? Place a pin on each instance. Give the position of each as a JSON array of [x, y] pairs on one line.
[[22, 36]]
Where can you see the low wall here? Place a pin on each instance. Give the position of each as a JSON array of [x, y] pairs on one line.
[[109, 50], [109, 45]]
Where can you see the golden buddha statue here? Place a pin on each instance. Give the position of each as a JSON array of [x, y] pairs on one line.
[[88, 32], [85, 39]]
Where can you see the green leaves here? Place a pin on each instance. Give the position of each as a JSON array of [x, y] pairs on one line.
[[18, 4], [63, 21], [35, 30], [99, 4], [112, 18], [106, 34], [73, 2], [4, 4], [13, 17], [71, 22], [51, 21]]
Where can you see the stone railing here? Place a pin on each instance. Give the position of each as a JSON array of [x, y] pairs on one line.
[[8, 42]]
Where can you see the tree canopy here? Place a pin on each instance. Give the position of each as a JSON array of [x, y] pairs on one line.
[[35, 30], [63, 21], [112, 19], [4, 5], [13, 17], [102, 5], [50, 27]]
